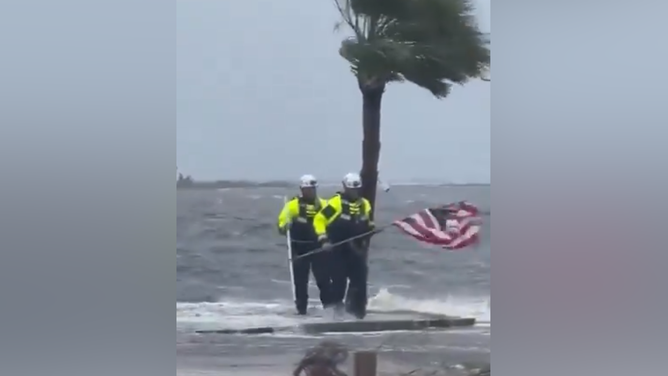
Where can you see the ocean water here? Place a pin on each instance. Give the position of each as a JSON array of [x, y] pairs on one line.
[[232, 272]]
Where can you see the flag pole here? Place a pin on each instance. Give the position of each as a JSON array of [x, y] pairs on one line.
[[374, 231]]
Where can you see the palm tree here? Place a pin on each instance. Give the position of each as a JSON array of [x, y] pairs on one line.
[[431, 43]]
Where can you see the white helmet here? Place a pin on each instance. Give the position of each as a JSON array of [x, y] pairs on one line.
[[308, 181], [352, 180]]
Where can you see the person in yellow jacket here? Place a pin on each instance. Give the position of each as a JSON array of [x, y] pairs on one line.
[[297, 216], [346, 215]]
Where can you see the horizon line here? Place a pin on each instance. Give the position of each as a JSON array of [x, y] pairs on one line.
[[330, 182]]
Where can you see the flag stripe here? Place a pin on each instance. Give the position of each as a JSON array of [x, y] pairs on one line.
[[453, 226]]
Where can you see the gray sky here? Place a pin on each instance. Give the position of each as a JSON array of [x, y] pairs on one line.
[[262, 94]]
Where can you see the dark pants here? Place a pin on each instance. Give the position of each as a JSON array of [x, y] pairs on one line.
[[349, 269], [302, 267]]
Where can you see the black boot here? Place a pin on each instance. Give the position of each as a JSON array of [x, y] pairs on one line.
[[301, 309], [356, 304]]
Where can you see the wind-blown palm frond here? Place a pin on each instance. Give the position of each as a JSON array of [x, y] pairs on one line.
[[432, 43]]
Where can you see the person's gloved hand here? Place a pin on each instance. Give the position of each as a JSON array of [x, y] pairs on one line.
[[283, 230], [324, 243]]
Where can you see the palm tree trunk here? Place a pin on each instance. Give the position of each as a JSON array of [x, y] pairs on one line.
[[372, 98]]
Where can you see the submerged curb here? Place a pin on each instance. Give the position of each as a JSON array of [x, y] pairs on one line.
[[356, 326]]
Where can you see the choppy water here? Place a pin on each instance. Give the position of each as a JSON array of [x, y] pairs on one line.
[[232, 273]]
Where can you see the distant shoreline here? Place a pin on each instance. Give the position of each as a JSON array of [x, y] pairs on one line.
[[223, 184]]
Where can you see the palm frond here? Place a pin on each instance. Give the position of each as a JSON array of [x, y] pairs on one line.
[[432, 43]]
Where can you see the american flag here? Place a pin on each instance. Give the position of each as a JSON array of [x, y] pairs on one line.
[[453, 226]]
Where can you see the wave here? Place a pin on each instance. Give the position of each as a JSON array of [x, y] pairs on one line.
[[235, 314]]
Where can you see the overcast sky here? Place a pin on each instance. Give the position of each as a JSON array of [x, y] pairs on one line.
[[263, 94]]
